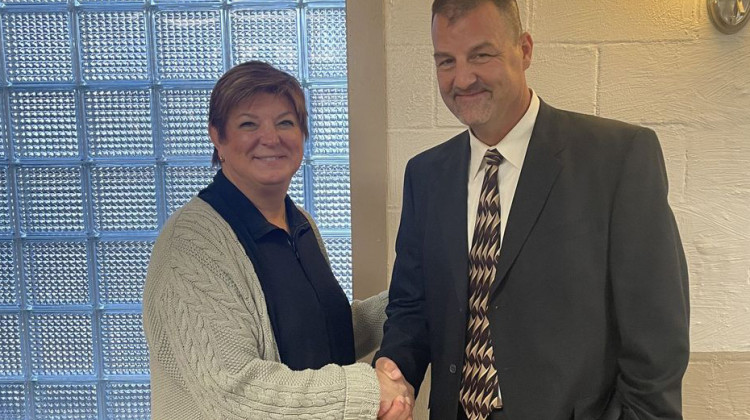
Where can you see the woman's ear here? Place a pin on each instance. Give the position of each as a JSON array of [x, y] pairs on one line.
[[213, 133]]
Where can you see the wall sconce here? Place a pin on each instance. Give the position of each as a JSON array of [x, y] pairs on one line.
[[729, 16]]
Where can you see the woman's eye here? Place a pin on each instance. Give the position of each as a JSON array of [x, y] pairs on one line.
[[247, 124], [286, 123]]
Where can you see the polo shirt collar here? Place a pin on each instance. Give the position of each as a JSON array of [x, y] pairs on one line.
[[249, 215]]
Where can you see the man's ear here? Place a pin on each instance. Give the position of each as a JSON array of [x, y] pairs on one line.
[[527, 47]]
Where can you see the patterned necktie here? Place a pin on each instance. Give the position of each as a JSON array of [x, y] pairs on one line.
[[479, 388]]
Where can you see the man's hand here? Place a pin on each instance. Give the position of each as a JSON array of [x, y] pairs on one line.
[[396, 395]]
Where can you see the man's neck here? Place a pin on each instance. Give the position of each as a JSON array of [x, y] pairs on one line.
[[491, 134]]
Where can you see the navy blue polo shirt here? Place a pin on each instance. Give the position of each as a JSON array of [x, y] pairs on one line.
[[309, 312]]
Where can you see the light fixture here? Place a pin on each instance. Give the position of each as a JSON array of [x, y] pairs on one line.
[[729, 16]]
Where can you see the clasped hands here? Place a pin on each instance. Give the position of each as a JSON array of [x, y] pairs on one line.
[[396, 394]]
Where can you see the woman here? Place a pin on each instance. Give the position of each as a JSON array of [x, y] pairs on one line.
[[242, 314]]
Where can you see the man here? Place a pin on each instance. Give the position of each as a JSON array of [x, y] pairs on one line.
[[539, 268]]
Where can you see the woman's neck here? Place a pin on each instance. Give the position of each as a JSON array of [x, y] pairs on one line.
[[268, 200], [273, 209]]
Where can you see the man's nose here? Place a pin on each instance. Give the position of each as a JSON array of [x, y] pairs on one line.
[[465, 76]]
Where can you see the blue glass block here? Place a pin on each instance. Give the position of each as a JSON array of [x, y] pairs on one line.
[[124, 344], [124, 198], [266, 35], [188, 45], [44, 124], [61, 344], [6, 224], [121, 270], [65, 401], [10, 346], [329, 121], [297, 187], [332, 202], [34, 1], [184, 122], [50, 199], [8, 284], [4, 135], [113, 45], [340, 257], [128, 401], [12, 401], [118, 123], [326, 34], [197, 2], [184, 182], [38, 47], [56, 273], [109, 1]]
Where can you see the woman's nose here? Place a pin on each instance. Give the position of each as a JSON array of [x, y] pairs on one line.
[[268, 134]]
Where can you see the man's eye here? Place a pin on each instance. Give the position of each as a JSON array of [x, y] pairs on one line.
[[444, 63]]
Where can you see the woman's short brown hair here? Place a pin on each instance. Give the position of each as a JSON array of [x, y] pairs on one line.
[[246, 80]]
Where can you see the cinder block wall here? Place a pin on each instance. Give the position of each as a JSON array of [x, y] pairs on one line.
[[655, 63]]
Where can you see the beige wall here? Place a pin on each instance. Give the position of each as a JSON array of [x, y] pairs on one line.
[[658, 63]]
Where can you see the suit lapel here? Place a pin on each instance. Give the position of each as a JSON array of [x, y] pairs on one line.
[[451, 191], [540, 169]]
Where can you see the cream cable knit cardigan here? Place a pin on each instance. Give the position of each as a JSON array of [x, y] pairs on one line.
[[212, 350]]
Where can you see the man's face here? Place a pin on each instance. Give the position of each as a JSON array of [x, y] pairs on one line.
[[480, 70]]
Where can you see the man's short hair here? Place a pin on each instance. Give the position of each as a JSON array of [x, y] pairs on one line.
[[455, 9]]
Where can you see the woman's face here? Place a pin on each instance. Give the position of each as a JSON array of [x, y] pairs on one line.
[[263, 144]]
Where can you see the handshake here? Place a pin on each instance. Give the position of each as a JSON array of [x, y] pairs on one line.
[[396, 395]]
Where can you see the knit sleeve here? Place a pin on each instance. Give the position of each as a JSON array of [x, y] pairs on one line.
[[214, 341], [368, 317]]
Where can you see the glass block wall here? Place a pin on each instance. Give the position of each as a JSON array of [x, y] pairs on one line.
[[103, 126]]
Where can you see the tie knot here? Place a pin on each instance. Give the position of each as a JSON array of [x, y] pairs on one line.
[[493, 157]]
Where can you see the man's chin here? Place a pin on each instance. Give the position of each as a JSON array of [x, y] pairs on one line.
[[471, 120], [471, 116]]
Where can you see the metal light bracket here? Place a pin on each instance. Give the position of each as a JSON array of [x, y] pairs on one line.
[[729, 16]]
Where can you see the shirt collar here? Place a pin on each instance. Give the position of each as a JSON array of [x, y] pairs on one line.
[[249, 215], [513, 146]]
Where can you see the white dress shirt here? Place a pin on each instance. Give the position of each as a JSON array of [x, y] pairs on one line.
[[513, 148]]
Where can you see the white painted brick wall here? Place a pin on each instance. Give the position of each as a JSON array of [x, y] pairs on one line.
[[597, 22], [656, 63]]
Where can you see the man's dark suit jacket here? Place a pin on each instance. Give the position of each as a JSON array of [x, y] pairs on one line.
[[589, 310]]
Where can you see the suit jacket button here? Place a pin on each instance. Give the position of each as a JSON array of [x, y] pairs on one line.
[[452, 368]]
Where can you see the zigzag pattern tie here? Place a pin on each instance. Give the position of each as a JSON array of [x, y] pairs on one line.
[[479, 388]]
